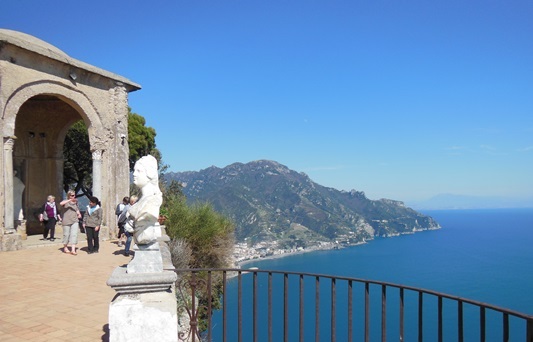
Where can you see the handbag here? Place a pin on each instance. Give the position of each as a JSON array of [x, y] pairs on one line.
[[45, 215]]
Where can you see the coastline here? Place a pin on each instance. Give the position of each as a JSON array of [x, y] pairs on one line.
[[283, 255], [279, 254]]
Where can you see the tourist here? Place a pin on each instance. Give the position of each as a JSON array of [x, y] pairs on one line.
[[71, 217], [49, 216], [122, 221], [91, 223], [118, 211]]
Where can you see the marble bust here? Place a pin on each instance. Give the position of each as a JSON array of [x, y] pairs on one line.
[[143, 215]]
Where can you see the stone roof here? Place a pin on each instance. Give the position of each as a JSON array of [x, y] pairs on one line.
[[31, 43]]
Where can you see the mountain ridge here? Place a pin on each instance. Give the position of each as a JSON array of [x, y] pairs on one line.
[[268, 201]]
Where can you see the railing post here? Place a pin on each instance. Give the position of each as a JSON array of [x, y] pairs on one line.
[[239, 308], [402, 320], [224, 308], [440, 332], [482, 320], [367, 312], [529, 333], [333, 310], [209, 306], [350, 311], [420, 316], [460, 333], [255, 307], [301, 308], [505, 327], [286, 307], [194, 310], [383, 313], [317, 309], [270, 307]]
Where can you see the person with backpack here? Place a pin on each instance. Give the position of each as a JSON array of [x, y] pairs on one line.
[[118, 211], [122, 222]]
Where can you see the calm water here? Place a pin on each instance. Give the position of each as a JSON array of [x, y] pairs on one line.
[[485, 255]]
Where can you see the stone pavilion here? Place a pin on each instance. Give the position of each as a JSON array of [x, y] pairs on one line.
[[43, 92]]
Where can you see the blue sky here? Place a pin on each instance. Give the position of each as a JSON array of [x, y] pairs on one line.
[[399, 99]]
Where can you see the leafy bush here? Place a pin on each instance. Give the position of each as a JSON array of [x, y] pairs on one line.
[[208, 233], [199, 238]]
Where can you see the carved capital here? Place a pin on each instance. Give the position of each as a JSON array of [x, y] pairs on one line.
[[9, 142], [97, 154]]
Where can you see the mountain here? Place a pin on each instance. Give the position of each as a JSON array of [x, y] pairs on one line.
[[269, 202], [451, 201]]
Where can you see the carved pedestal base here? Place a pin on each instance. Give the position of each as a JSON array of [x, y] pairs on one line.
[[143, 317], [147, 259], [144, 308]]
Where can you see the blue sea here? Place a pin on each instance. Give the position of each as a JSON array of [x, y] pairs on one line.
[[484, 255]]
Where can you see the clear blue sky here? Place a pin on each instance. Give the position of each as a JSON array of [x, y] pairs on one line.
[[400, 99]]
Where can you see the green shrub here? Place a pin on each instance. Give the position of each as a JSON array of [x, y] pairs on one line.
[[208, 234], [200, 238]]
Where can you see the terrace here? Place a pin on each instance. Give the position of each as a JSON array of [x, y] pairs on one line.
[[49, 296]]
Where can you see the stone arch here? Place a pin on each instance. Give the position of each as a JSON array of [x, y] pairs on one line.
[[27, 163], [70, 95]]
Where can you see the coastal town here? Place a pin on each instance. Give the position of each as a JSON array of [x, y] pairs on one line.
[[243, 254]]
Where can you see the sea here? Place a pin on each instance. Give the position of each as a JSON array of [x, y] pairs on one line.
[[484, 255]]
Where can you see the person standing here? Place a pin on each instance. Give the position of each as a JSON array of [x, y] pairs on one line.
[[71, 217], [91, 222], [122, 221], [49, 216], [118, 212]]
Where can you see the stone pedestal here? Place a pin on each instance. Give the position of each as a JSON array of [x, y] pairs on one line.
[[147, 259], [144, 308], [143, 317]]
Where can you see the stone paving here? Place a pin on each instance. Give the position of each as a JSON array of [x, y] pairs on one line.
[[47, 295]]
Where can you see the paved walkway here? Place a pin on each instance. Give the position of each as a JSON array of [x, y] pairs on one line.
[[47, 295]]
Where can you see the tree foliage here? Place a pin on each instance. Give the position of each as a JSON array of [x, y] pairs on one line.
[[141, 139], [77, 171], [77, 167]]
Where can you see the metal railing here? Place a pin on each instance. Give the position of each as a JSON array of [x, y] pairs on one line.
[[266, 305]]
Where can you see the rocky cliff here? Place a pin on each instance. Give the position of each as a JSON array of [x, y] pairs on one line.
[[268, 201]]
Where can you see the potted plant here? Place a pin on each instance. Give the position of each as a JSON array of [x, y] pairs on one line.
[[163, 215]]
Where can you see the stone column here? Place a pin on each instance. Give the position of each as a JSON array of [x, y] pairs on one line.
[[97, 173], [8, 240], [9, 219]]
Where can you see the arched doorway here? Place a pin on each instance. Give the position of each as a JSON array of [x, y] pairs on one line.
[[40, 128]]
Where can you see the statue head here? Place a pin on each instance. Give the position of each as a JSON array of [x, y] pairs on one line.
[[145, 171]]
